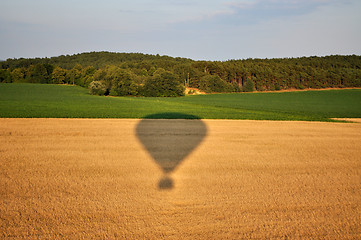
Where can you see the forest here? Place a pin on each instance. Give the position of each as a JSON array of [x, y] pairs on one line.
[[137, 74]]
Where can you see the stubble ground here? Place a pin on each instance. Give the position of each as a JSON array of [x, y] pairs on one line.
[[94, 178]]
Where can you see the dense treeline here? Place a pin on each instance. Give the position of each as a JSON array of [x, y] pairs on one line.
[[136, 74]]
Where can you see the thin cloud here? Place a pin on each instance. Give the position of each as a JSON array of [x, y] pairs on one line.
[[245, 12], [204, 17], [265, 9]]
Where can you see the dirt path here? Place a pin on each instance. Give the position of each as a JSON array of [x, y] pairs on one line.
[[92, 179]]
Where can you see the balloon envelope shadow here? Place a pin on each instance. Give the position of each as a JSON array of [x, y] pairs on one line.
[[170, 138]]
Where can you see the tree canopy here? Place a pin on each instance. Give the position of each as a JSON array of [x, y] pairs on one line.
[[137, 74]]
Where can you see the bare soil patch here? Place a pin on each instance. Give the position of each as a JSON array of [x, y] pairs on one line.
[[94, 179], [193, 91], [196, 91]]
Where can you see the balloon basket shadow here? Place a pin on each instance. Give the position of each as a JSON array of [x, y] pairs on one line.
[[166, 183]]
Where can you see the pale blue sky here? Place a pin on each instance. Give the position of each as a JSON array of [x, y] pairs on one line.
[[211, 30]]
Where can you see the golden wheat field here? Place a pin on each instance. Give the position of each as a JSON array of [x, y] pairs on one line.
[[179, 179]]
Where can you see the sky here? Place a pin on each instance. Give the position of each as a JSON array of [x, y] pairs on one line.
[[200, 30]]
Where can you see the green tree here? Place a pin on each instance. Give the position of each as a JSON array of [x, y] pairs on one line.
[[277, 86], [122, 83], [213, 83], [18, 75], [75, 74], [87, 74], [163, 84], [249, 85], [40, 74], [58, 75], [5, 76], [97, 88]]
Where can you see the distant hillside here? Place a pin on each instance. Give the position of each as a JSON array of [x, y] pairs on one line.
[[125, 74], [95, 59]]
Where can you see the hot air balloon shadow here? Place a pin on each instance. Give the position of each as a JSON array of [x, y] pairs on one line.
[[170, 138]]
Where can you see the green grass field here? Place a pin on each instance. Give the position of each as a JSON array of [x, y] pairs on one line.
[[62, 101]]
